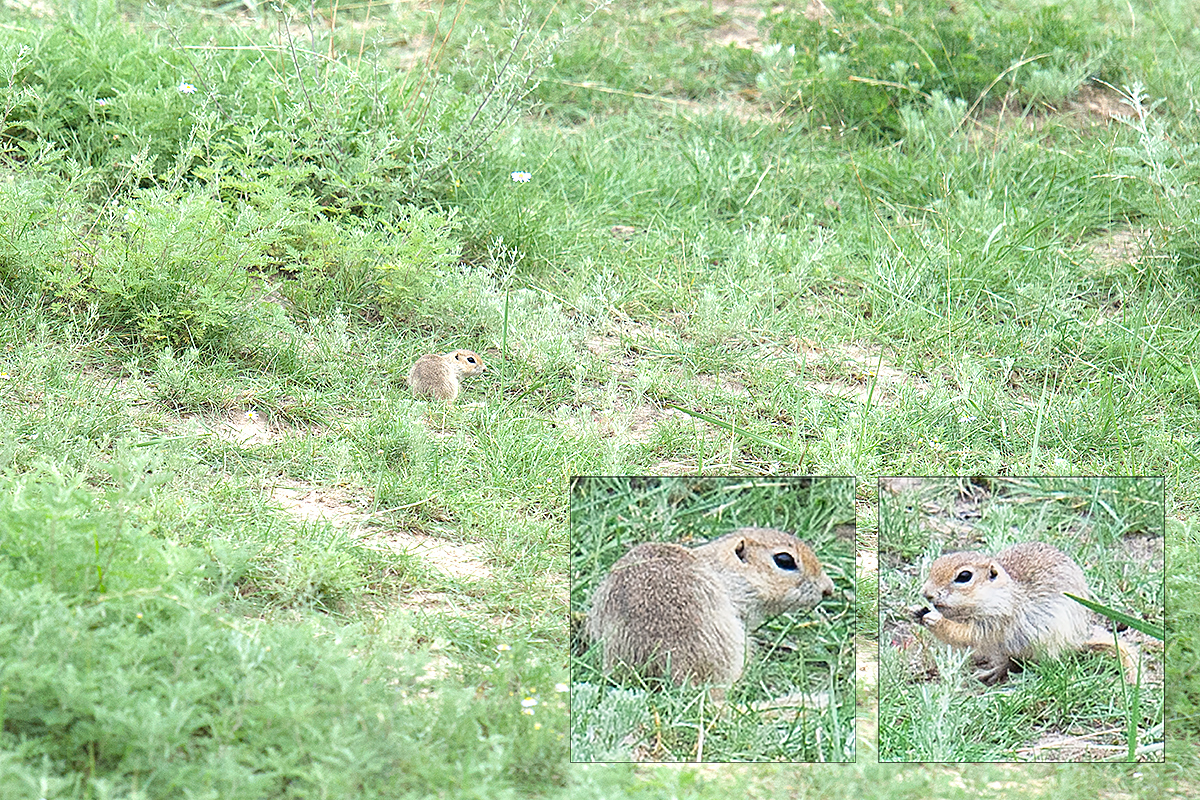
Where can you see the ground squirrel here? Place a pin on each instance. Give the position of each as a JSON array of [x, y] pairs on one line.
[[1007, 606], [691, 609], [438, 375]]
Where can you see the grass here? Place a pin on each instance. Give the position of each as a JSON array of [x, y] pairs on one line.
[[975, 267]]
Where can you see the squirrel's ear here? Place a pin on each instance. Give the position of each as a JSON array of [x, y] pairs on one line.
[[993, 571], [739, 549]]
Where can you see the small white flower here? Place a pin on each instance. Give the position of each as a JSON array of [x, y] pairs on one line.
[[521, 177], [100, 101], [186, 88], [529, 702], [528, 711], [252, 415], [560, 687], [503, 647]]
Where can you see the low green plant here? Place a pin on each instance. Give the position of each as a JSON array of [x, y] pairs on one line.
[[860, 70], [422, 284], [199, 183]]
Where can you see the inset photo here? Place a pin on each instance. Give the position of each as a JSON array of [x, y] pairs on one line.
[[1021, 619], [712, 619]]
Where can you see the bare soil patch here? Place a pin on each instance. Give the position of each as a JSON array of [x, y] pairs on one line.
[[853, 372], [430, 601], [310, 504], [900, 484], [244, 428], [742, 17], [458, 560], [1091, 106], [741, 24], [1096, 105], [635, 423], [723, 383], [1143, 548], [866, 564], [1119, 247], [314, 504], [673, 468], [866, 674], [1058, 747]]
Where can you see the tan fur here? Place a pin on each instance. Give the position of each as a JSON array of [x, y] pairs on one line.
[[438, 376], [1006, 606], [686, 613]]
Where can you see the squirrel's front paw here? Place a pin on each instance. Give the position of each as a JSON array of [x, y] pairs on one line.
[[926, 615]]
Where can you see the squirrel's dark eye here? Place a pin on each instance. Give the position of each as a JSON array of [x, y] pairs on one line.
[[963, 577], [470, 360], [785, 561]]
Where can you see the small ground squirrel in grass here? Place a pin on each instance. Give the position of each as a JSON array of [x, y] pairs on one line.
[[686, 613], [1008, 606], [439, 376]]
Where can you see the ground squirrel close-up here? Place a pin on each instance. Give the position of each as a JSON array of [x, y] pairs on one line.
[[1008, 606], [686, 613], [439, 376]]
